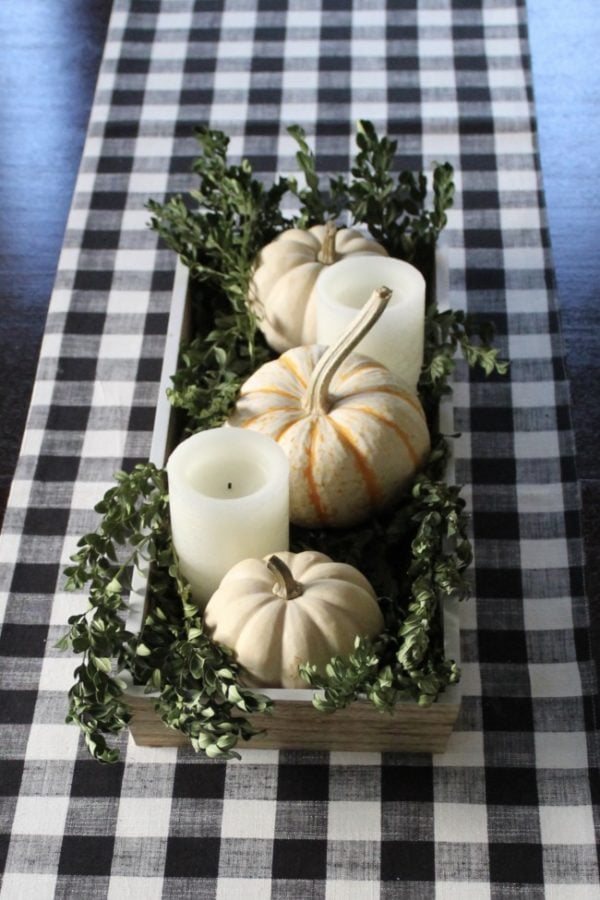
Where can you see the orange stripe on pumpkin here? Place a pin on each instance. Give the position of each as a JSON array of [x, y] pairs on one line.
[[408, 398], [267, 412], [415, 459], [279, 392], [369, 477], [287, 363]]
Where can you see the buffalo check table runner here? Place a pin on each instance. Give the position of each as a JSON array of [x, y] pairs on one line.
[[510, 810]]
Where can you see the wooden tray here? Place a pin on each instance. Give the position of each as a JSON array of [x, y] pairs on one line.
[[294, 722]]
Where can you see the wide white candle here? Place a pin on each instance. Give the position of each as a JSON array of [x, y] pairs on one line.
[[229, 500], [396, 340]]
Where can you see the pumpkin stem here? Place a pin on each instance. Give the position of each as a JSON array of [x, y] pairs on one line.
[[327, 254], [287, 584], [316, 398]]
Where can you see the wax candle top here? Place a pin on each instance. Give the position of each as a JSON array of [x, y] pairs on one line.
[[226, 464]]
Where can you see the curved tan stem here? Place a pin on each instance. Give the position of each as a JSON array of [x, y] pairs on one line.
[[316, 398], [327, 254], [289, 588]]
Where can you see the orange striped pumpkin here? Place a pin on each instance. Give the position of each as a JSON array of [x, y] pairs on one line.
[[354, 433]]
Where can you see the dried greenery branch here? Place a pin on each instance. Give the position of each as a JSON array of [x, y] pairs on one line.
[[414, 555]]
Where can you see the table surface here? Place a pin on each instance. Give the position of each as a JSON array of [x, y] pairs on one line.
[[67, 47]]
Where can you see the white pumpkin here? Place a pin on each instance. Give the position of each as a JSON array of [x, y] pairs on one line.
[[355, 434], [282, 290], [290, 609]]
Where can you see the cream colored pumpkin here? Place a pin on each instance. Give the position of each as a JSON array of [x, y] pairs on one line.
[[282, 291], [290, 609], [354, 433]]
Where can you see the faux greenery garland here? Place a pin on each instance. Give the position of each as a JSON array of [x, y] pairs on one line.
[[415, 555]]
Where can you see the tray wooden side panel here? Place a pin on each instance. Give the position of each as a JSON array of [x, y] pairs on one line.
[[297, 725]]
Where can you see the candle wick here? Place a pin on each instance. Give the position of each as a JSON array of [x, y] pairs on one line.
[[229, 485]]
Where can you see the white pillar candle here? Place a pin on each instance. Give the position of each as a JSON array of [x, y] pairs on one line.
[[229, 500], [396, 340]]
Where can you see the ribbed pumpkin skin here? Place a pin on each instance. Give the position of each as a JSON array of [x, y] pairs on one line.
[[273, 636], [282, 290], [351, 461]]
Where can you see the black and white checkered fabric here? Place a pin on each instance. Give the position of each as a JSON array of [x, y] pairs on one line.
[[508, 811]]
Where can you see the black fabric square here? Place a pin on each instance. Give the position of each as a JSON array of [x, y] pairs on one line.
[[130, 66], [23, 640], [156, 323], [303, 782], [149, 369], [100, 239], [192, 857], [86, 855], [57, 468], [16, 707], [507, 714], [127, 97], [113, 199], [497, 646], [34, 578], [46, 521], [494, 583], [162, 280], [511, 786], [516, 863], [93, 780], [478, 238], [407, 783], [84, 323], [201, 781], [72, 369], [299, 859], [142, 418], [493, 471], [11, 772], [92, 280], [496, 525], [407, 861], [68, 418], [485, 279]]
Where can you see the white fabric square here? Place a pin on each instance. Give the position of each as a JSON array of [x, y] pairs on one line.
[[52, 741], [145, 755], [536, 444], [9, 547], [113, 393], [549, 553], [87, 493], [462, 890], [464, 748], [567, 825], [341, 889], [121, 887], [248, 819], [554, 679], [548, 613], [353, 820], [459, 823], [571, 891], [57, 673], [40, 815], [104, 444], [143, 817], [561, 750], [246, 888], [529, 346], [18, 886], [120, 346]]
